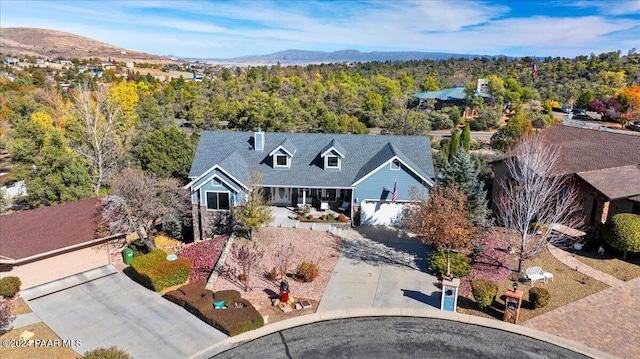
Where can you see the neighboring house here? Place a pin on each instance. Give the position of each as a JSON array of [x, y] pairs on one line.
[[321, 170], [605, 166], [448, 97], [49, 243]]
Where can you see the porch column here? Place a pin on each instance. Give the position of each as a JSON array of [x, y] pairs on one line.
[[304, 197]]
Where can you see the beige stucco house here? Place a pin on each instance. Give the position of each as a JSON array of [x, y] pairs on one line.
[[50, 243]]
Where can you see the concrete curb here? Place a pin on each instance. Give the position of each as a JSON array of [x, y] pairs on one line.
[[232, 342]]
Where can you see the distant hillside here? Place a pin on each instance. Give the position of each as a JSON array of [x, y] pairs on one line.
[[52, 44], [308, 57]]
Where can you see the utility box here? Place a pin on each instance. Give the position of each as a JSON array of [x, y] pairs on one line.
[[513, 302], [449, 297], [127, 255]]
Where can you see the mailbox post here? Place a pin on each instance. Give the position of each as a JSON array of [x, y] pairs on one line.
[[449, 297], [512, 304]]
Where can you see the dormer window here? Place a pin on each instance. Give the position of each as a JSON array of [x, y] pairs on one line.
[[333, 161], [282, 160]]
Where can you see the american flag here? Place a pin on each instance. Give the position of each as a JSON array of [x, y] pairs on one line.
[[394, 196], [534, 72]]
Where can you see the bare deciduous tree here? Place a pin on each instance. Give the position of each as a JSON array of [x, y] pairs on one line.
[[247, 256], [442, 220], [99, 132], [140, 202], [283, 258], [534, 198]]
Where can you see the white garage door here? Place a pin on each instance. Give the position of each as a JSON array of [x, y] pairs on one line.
[[378, 213], [60, 266]]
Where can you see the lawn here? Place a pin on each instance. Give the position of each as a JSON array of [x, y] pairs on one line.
[[18, 306], [611, 263], [41, 333], [568, 286]]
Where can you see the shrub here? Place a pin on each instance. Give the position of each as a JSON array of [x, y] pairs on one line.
[[239, 316], [459, 264], [310, 216], [6, 318], [342, 218], [107, 353], [308, 271], [622, 232], [331, 217], [154, 271], [539, 297], [203, 256], [298, 217], [272, 275], [484, 291], [323, 217], [9, 286], [138, 248]]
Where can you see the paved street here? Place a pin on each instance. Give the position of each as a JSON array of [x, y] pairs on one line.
[[396, 337]]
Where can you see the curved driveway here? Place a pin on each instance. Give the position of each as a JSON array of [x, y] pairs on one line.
[[396, 337]]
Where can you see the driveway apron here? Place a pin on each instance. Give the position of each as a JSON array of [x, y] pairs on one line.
[[381, 267], [115, 311]]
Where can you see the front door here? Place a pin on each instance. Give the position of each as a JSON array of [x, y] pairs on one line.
[[281, 195]]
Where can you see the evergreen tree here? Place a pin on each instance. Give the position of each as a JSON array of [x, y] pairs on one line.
[[454, 145], [167, 152], [466, 138], [463, 170]]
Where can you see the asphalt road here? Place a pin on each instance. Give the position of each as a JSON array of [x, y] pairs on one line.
[[396, 337]]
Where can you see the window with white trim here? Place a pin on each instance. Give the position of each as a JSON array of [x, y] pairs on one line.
[[333, 161], [218, 200], [395, 165], [282, 161]]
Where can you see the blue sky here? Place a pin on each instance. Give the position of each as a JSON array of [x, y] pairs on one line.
[[224, 29]]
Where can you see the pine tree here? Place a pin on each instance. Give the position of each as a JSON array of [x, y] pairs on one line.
[[463, 170], [454, 145], [466, 138]]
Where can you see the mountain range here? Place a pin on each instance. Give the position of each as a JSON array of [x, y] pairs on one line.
[[54, 44]]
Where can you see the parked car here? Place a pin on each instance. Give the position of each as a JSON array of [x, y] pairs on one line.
[[579, 113], [565, 109]]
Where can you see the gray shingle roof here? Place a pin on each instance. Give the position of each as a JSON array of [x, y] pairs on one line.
[[454, 93], [233, 152]]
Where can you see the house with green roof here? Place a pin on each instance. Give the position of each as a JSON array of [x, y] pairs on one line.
[[367, 177], [454, 96]]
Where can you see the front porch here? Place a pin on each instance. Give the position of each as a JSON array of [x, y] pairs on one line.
[[285, 216], [319, 199]]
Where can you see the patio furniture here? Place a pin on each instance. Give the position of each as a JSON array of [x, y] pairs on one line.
[[344, 206], [324, 205], [535, 274]]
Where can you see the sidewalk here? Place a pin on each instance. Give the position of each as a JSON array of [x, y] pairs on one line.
[[607, 320]]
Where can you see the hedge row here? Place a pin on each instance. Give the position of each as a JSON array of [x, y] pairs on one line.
[[238, 317], [154, 271]]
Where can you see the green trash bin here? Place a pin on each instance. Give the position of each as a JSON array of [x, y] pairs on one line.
[[128, 255]]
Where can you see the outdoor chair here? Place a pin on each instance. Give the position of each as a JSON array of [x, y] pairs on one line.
[[344, 206], [535, 274]]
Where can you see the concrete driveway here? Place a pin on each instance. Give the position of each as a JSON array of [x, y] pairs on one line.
[[381, 267], [114, 310]]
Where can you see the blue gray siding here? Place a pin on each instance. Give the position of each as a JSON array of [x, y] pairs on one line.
[[379, 186]]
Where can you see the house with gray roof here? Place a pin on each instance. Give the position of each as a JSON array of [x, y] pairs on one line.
[[372, 174]]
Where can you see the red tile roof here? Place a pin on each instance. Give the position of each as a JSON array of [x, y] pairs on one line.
[[45, 229], [587, 150]]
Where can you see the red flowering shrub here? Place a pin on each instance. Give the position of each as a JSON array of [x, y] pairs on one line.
[[203, 256], [490, 264]]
